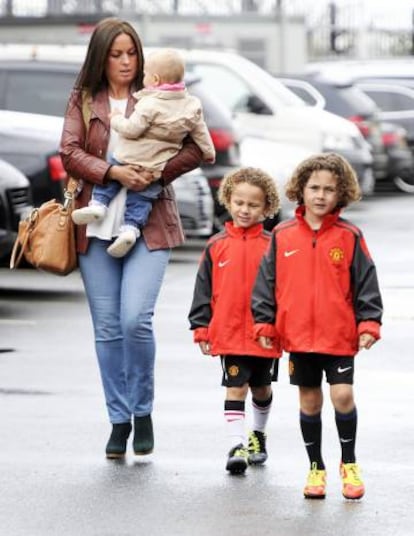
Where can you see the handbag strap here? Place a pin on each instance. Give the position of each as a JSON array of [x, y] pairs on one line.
[[20, 247], [73, 184]]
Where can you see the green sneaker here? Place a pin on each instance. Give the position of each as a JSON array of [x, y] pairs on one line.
[[257, 448], [237, 460]]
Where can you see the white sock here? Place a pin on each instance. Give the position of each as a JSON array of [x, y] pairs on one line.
[[124, 228], [235, 426], [261, 414]]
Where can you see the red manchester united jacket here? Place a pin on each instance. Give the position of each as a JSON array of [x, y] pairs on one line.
[[220, 312], [317, 290]]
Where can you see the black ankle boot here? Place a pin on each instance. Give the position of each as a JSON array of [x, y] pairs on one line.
[[116, 446], [143, 435]]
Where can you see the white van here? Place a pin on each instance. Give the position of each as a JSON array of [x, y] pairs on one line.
[[263, 107]]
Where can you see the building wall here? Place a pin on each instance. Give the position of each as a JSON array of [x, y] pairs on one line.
[[277, 45]]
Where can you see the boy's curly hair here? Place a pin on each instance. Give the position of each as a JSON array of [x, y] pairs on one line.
[[255, 177], [347, 182]]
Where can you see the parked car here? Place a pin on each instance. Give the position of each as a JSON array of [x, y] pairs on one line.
[[30, 142], [400, 158], [15, 203], [347, 100], [398, 71], [43, 87], [395, 104]]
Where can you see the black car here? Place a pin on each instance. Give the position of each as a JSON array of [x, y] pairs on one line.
[[30, 142], [15, 203], [42, 87]]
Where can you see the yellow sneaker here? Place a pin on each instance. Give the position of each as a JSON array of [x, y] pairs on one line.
[[316, 483], [352, 485]]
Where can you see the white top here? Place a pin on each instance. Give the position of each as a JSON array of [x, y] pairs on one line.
[[109, 226]]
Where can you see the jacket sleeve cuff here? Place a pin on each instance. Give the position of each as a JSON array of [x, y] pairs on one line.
[[200, 335], [264, 330], [371, 327]]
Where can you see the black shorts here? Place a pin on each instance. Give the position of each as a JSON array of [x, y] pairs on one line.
[[256, 371], [306, 369]]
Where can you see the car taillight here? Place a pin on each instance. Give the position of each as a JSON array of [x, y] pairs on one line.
[[363, 126], [56, 169], [222, 139], [390, 139]]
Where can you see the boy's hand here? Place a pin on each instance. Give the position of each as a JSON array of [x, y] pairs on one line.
[[265, 342], [366, 341], [205, 347]]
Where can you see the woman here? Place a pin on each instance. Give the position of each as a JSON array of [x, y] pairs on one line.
[[121, 291]]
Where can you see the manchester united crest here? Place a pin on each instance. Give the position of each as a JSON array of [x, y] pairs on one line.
[[233, 370], [336, 254]]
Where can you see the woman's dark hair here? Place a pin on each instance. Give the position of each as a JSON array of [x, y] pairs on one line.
[[92, 75]]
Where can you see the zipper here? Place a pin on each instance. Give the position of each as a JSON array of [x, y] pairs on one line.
[[314, 242]]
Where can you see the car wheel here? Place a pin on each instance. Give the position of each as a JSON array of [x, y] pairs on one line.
[[405, 184], [367, 183]]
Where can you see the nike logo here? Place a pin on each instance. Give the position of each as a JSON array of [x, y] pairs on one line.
[[291, 252], [223, 263], [309, 444], [341, 370], [346, 440]]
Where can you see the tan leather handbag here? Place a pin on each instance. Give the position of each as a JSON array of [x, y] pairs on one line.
[[46, 238]]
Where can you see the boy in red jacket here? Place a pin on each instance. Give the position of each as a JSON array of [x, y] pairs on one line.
[[220, 313], [317, 293]]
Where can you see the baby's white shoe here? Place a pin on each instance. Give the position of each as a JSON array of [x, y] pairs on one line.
[[124, 243], [89, 214]]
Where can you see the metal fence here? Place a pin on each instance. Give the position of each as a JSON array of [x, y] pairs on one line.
[[333, 28]]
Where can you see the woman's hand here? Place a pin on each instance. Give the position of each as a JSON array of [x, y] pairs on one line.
[[133, 178]]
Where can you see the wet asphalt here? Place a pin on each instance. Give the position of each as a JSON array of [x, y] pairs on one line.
[[55, 480]]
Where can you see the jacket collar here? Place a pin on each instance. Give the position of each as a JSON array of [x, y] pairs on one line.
[[241, 232], [100, 106], [328, 221]]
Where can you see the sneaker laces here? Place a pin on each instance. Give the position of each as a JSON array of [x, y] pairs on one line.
[[315, 475], [256, 442], [241, 451], [352, 474]]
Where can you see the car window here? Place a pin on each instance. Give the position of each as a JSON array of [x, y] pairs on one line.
[[347, 100], [232, 91], [38, 92], [215, 114], [390, 101], [302, 93]]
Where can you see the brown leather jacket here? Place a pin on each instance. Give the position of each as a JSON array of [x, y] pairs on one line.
[[83, 153]]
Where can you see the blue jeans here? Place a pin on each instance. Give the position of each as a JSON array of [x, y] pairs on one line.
[[138, 205], [122, 293]]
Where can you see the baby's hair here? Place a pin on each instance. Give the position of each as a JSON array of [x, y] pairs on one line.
[[347, 182], [255, 177], [168, 64]]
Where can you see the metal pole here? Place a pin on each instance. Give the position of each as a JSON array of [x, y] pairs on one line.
[[412, 32], [282, 36], [332, 26]]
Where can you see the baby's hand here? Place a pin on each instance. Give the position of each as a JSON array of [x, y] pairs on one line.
[[366, 341]]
